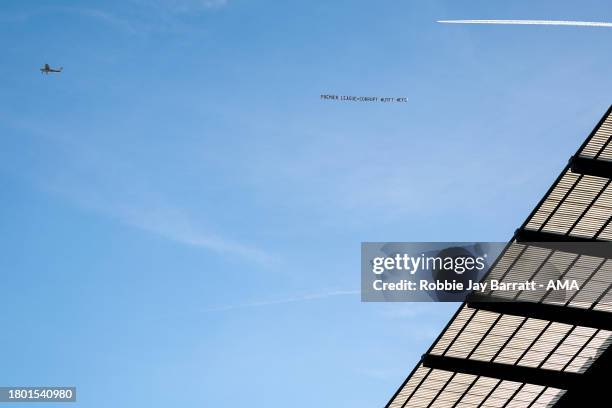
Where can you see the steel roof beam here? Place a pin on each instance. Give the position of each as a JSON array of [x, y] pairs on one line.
[[539, 376], [527, 236], [564, 243], [591, 167], [574, 316]]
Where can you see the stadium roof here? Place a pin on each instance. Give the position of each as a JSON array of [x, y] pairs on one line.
[[539, 350]]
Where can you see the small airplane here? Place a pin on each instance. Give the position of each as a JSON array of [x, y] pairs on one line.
[[46, 69]]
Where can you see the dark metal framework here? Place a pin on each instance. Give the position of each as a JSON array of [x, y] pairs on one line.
[[535, 349], [539, 376], [574, 316]]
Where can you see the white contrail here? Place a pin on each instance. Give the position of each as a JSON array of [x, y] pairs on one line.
[[531, 22]]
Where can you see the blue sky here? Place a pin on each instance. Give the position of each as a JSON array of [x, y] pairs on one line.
[[182, 215]]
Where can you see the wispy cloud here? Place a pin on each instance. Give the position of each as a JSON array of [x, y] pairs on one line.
[[92, 13], [292, 299], [105, 17], [531, 22], [175, 225], [103, 182], [168, 10], [152, 213], [188, 6], [145, 17]]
